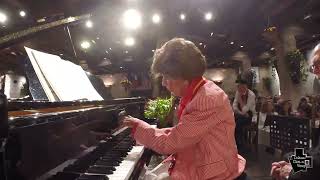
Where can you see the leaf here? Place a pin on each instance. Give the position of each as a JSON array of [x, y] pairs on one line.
[[158, 109]]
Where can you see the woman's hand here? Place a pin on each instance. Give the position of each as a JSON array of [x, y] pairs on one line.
[[280, 170], [130, 121]]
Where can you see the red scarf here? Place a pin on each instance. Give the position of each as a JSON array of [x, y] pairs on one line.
[[191, 91]]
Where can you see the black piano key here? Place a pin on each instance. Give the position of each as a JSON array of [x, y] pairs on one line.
[[107, 163], [65, 176], [92, 177], [100, 170]]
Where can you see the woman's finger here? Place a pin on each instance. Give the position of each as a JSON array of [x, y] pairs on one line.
[[276, 164], [273, 170]]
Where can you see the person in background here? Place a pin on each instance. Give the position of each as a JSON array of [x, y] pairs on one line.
[[202, 144], [304, 108], [266, 109], [314, 62], [285, 108], [244, 107]]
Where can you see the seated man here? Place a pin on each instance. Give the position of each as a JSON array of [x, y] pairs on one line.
[[244, 106]]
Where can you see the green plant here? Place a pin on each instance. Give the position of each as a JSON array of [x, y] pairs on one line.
[[297, 66], [158, 109]]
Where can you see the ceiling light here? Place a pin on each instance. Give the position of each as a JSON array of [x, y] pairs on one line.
[[42, 20], [97, 38], [121, 67], [132, 19], [153, 50], [3, 17], [126, 52], [110, 49], [71, 19], [200, 44], [307, 17], [231, 42], [61, 54], [22, 13], [129, 41], [182, 17], [89, 24], [156, 18], [107, 52], [272, 49], [211, 34], [208, 16], [241, 46], [85, 44]]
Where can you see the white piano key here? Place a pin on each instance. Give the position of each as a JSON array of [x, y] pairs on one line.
[[126, 167]]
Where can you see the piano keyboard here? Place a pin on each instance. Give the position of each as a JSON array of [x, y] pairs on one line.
[[114, 159]]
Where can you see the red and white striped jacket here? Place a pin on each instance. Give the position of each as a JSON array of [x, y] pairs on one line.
[[203, 140]]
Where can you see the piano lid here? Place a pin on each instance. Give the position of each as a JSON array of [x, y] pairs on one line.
[[16, 37]]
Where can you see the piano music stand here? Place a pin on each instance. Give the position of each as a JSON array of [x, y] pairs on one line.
[[289, 132]]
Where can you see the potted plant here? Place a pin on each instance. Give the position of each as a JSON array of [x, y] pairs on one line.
[[297, 66], [159, 109]]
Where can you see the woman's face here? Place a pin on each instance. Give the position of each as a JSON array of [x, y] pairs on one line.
[[177, 87]]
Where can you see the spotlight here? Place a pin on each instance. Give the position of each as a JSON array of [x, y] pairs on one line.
[[208, 16], [182, 17], [85, 44], [231, 42], [70, 19], [129, 41], [22, 13], [156, 18], [3, 17], [89, 24], [241, 46], [132, 19]]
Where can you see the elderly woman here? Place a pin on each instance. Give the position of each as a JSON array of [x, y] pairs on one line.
[[202, 144]]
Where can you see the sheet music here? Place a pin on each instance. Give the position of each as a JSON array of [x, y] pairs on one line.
[[46, 87], [68, 81]]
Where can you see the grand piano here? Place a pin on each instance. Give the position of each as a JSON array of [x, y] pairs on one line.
[[69, 140]]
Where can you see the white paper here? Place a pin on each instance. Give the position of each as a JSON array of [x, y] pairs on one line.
[[68, 80]]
